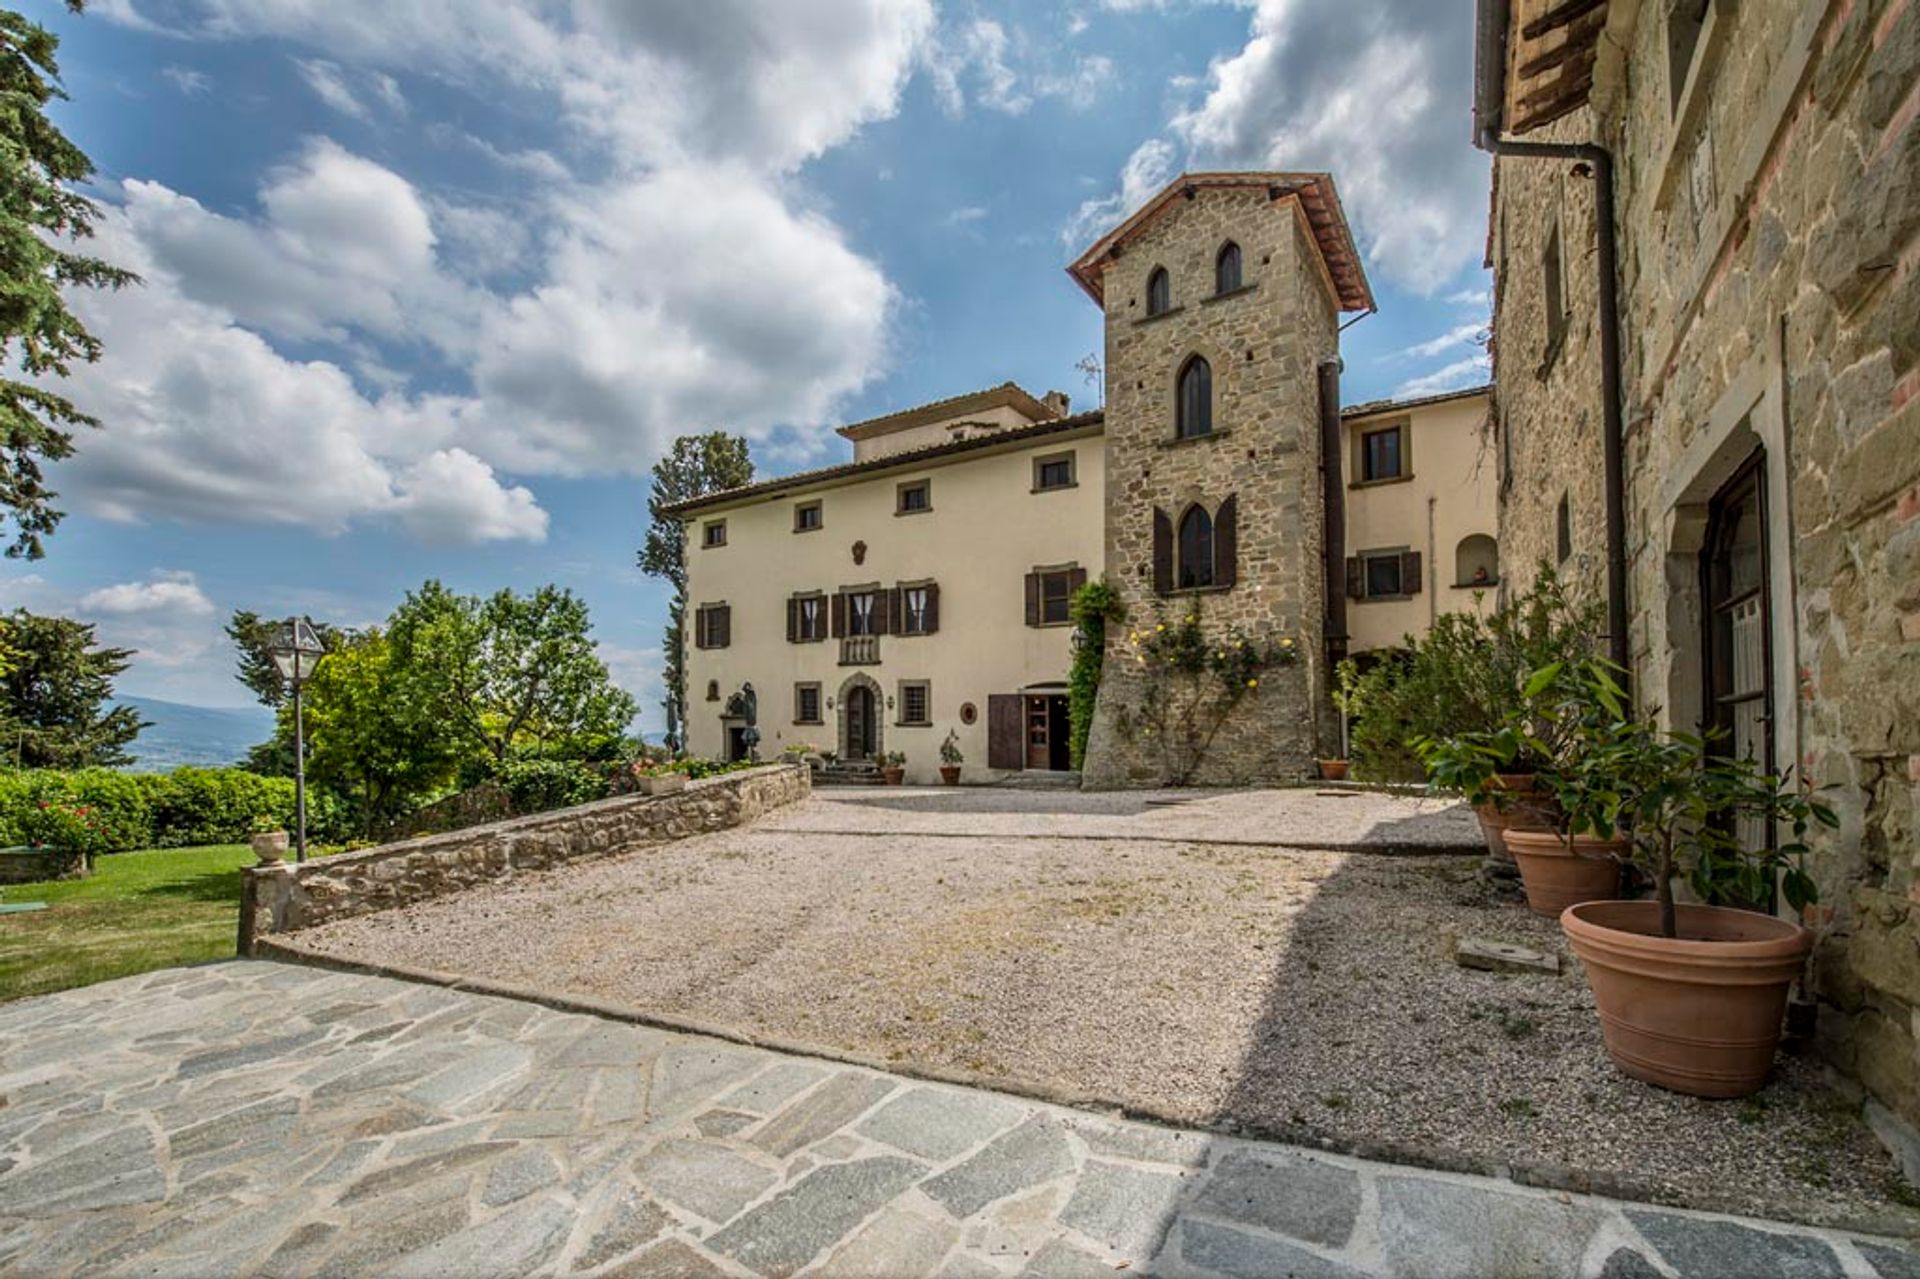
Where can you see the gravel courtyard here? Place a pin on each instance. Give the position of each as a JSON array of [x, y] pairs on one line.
[[1200, 958]]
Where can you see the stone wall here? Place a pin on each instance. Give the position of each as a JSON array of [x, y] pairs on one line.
[[287, 898], [1770, 280], [1264, 344], [36, 865]]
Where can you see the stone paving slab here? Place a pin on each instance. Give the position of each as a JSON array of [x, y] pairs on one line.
[[237, 1119]]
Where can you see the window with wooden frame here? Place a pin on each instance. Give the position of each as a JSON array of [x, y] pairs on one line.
[[807, 516], [1159, 292], [713, 626], [1194, 566], [1200, 552], [806, 704], [915, 608], [1055, 471], [913, 497], [1383, 455], [1226, 269], [1193, 406], [713, 533], [1383, 575], [806, 618], [861, 611], [915, 703], [1050, 594]]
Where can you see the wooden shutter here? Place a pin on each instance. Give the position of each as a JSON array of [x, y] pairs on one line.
[[723, 625], [1162, 552], [881, 624], [1033, 599], [933, 607], [839, 618], [1006, 730], [1356, 578], [793, 620], [1076, 578], [700, 626], [1226, 542], [1409, 572], [897, 608]]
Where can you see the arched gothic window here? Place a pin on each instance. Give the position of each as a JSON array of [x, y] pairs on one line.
[[1194, 413], [1226, 268], [1196, 548], [1159, 292]]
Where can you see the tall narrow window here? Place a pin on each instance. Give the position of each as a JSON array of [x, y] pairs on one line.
[[1563, 530], [1159, 292], [1226, 268], [1196, 549], [1195, 410], [1553, 292]]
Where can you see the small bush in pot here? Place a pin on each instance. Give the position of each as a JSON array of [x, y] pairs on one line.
[[951, 758], [893, 767], [1690, 995], [267, 839]]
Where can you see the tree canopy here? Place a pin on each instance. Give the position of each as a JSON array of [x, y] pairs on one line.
[[41, 219], [695, 466], [54, 688]]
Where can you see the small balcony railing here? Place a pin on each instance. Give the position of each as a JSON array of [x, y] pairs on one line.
[[860, 650]]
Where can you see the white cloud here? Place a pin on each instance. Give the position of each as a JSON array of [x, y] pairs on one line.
[[1456, 376], [187, 80], [451, 497], [1150, 167], [982, 61], [1470, 297], [168, 591], [1459, 335], [329, 84]]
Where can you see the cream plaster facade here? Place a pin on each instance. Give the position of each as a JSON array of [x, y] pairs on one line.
[[1445, 506]]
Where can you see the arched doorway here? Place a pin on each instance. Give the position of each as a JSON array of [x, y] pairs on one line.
[[859, 720]]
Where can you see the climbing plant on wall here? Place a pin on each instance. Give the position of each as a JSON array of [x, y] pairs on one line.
[[1093, 608], [1191, 681]]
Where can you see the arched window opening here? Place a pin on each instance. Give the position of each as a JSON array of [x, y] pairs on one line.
[[1476, 561], [1195, 411], [1226, 268], [1159, 292], [1196, 548]]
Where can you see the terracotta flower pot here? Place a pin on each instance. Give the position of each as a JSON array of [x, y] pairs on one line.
[[1557, 876], [950, 774], [1700, 1013], [893, 776], [1333, 770]]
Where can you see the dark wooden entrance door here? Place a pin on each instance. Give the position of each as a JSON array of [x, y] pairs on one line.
[[860, 722], [1737, 644], [1046, 727]]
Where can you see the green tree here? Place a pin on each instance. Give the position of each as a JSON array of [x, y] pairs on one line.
[[370, 737], [508, 671], [252, 637], [39, 337], [53, 696], [695, 466]]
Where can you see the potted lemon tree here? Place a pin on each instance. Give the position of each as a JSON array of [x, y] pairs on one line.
[[1690, 993], [951, 758]]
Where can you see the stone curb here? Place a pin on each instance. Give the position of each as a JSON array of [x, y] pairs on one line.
[[1330, 847], [1540, 1175]]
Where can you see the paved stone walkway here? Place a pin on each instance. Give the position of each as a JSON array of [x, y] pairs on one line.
[[254, 1118]]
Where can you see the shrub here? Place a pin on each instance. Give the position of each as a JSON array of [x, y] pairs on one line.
[[63, 824], [163, 810], [536, 785], [1093, 606], [218, 805]]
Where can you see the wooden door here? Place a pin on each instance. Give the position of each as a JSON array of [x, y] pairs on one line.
[[859, 723], [1006, 731], [1039, 733], [1737, 644]]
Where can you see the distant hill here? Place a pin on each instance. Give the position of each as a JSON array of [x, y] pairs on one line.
[[209, 736]]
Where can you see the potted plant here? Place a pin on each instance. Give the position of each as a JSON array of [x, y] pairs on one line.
[[268, 840], [1690, 995], [1346, 700], [951, 758], [661, 779], [893, 767]]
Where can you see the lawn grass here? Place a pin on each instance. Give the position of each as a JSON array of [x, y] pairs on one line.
[[137, 912]]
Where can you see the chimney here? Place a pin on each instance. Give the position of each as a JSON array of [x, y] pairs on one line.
[[1058, 402]]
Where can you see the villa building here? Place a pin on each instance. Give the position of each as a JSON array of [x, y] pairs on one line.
[[1707, 354], [922, 589]]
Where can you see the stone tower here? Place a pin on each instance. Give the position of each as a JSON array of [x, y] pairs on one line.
[[1222, 297]]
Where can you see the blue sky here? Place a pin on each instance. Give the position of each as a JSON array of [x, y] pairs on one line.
[[430, 285]]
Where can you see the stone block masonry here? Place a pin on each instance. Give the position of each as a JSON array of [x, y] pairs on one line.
[[288, 898]]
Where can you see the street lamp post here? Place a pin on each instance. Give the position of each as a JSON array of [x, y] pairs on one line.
[[296, 651]]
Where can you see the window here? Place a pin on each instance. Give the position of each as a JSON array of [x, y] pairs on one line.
[[806, 704], [1050, 595], [1383, 575], [806, 619], [1553, 291], [1159, 292], [1195, 567], [713, 533], [1686, 19], [1195, 409], [916, 703], [860, 614], [1383, 454], [806, 517], [913, 497], [915, 608], [1563, 529], [1053, 472], [1226, 269], [712, 626], [713, 690]]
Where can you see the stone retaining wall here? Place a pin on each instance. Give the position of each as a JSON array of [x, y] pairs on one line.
[[36, 865], [287, 898]]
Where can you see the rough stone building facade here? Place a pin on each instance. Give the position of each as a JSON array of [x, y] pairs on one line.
[[1765, 208]]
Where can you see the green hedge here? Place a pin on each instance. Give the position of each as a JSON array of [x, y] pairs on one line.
[[162, 810]]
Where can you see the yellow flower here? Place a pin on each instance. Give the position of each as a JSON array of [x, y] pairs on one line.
[[1287, 642], [1253, 683], [1161, 627]]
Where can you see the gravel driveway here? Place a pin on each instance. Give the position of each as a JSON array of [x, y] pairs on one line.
[[1199, 961]]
